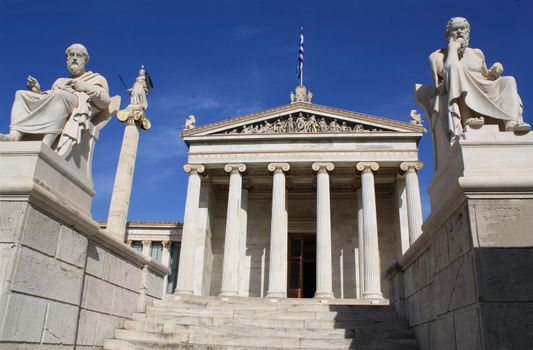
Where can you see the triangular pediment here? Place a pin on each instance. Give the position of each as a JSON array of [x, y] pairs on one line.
[[301, 118]]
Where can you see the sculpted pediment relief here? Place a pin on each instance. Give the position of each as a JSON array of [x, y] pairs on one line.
[[301, 118], [302, 122]]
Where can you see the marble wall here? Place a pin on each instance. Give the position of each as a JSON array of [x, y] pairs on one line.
[[61, 285], [467, 282]]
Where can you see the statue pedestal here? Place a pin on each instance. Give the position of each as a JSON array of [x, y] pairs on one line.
[[466, 281], [484, 163], [64, 283], [31, 169]]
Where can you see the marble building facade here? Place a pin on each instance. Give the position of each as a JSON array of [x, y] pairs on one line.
[[301, 200]]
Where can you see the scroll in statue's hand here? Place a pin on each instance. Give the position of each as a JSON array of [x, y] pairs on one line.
[[33, 84], [80, 86]]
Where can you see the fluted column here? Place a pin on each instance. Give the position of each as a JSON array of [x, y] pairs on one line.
[[414, 208], [360, 244], [120, 198], [230, 271], [277, 274], [324, 287], [188, 236], [371, 261], [146, 248], [165, 260]]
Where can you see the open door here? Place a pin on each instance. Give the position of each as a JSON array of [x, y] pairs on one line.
[[301, 279]]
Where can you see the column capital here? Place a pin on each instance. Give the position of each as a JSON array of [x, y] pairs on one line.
[[328, 166], [167, 243], [281, 166], [198, 168], [147, 243], [362, 166], [239, 166], [406, 166]]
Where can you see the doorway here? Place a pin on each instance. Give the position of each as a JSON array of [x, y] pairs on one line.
[[301, 279]]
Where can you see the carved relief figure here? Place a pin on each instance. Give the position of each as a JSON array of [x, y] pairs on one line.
[[345, 128], [301, 123], [323, 126], [312, 125], [290, 124], [334, 126], [66, 109]]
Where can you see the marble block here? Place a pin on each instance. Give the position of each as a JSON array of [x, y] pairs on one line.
[[32, 169]]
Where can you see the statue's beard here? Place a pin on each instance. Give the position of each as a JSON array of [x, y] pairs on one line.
[[75, 69]]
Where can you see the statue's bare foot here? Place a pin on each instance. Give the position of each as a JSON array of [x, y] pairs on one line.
[[510, 125], [475, 122], [522, 127], [9, 137]]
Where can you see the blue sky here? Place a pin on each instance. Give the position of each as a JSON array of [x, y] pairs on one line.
[[219, 59]]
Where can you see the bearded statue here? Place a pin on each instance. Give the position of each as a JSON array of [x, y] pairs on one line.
[[58, 116], [466, 92]]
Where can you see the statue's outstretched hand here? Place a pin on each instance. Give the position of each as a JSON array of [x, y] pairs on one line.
[[33, 84], [495, 71]]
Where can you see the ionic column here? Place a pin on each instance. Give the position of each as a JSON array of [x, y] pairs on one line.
[[165, 260], [371, 263], [360, 244], [188, 236], [120, 198], [414, 208], [277, 274], [146, 248], [324, 288], [230, 271]]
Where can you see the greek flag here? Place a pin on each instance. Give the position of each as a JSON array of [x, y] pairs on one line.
[[300, 67]]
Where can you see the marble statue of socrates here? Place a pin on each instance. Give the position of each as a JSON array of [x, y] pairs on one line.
[[64, 110], [474, 94]]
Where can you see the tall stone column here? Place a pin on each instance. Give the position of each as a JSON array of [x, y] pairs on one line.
[[324, 286], [184, 284], [244, 273], [120, 198], [360, 243], [414, 208], [146, 248], [371, 261], [165, 260], [232, 258], [277, 274]]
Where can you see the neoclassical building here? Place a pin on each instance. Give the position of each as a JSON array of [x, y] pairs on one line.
[[300, 200]]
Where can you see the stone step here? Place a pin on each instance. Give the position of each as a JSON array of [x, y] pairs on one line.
[[250, 329], [215, 320], [273, 306], [367, 315], [118, 344], [234, 340], [256, 300]]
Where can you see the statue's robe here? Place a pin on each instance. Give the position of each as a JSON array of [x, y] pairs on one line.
[[60, 110], [466, 82]]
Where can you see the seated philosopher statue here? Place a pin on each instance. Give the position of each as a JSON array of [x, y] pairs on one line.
[[59, 115], [465, 92]]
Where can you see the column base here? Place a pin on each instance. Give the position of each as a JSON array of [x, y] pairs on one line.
[[324, 295], [228, 294], [276, 295], [372, 296], [181, 291]]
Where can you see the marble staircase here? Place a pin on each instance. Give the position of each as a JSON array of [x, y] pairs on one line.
[[216, 323]]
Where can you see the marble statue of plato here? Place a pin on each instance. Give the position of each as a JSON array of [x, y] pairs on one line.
[[60, 114]]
